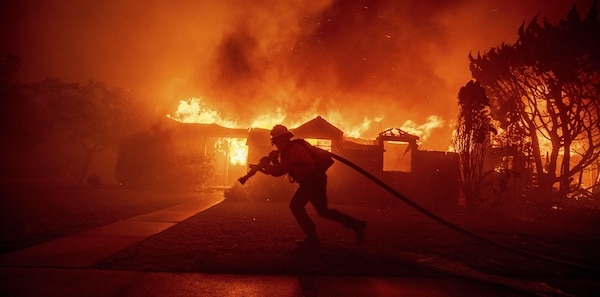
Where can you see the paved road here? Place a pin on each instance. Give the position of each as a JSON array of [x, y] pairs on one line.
[[62, 267]]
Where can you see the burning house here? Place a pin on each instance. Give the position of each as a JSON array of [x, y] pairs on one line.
[[224, 147], [428, 177]]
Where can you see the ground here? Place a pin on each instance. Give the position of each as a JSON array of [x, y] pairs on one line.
[[257, 236]]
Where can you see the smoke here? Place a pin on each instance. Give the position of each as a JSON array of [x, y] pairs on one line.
[[382, 62]]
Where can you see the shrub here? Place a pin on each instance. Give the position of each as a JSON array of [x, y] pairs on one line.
[[151, 161]]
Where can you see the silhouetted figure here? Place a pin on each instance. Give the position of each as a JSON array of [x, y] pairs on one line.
[[294, 159]]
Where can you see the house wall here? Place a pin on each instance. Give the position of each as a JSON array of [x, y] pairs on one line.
[[437, 178], [433, 182]]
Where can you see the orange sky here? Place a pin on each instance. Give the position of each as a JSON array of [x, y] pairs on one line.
[[382, 63]]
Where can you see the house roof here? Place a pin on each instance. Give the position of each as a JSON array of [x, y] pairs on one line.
[[318, 128], [259, 136], [214, 130], [211, 130]]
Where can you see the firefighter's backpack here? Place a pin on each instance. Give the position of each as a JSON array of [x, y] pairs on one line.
[[322, 157]]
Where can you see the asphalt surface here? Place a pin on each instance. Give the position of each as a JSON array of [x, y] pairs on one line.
[[64, 267]]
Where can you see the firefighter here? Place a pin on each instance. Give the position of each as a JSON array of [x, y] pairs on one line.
[[294, 159]]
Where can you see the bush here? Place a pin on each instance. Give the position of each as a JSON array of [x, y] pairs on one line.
[[151, 161]]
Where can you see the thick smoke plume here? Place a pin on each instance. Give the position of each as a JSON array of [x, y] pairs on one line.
[[360, 64]]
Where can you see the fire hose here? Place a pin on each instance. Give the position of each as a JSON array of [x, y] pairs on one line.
[[433, 216], [264, 161]]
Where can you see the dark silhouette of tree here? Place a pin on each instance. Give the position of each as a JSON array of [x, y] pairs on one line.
[[47, 120], [93, 115], [24, 122], [9, 68], [472, 138], [544, 91]]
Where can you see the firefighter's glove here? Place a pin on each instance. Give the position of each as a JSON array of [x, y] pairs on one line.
[[262, 165], [274, 157], [255, 167], [264, 162]]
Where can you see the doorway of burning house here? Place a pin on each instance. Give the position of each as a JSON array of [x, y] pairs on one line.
[[398, 147], [229, 155], [397, 156]]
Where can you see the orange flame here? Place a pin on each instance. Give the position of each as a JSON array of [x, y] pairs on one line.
[[423, 130], [196, 110], [238, 151]]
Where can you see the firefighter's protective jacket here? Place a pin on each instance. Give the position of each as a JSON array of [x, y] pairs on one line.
[[294, 160]]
